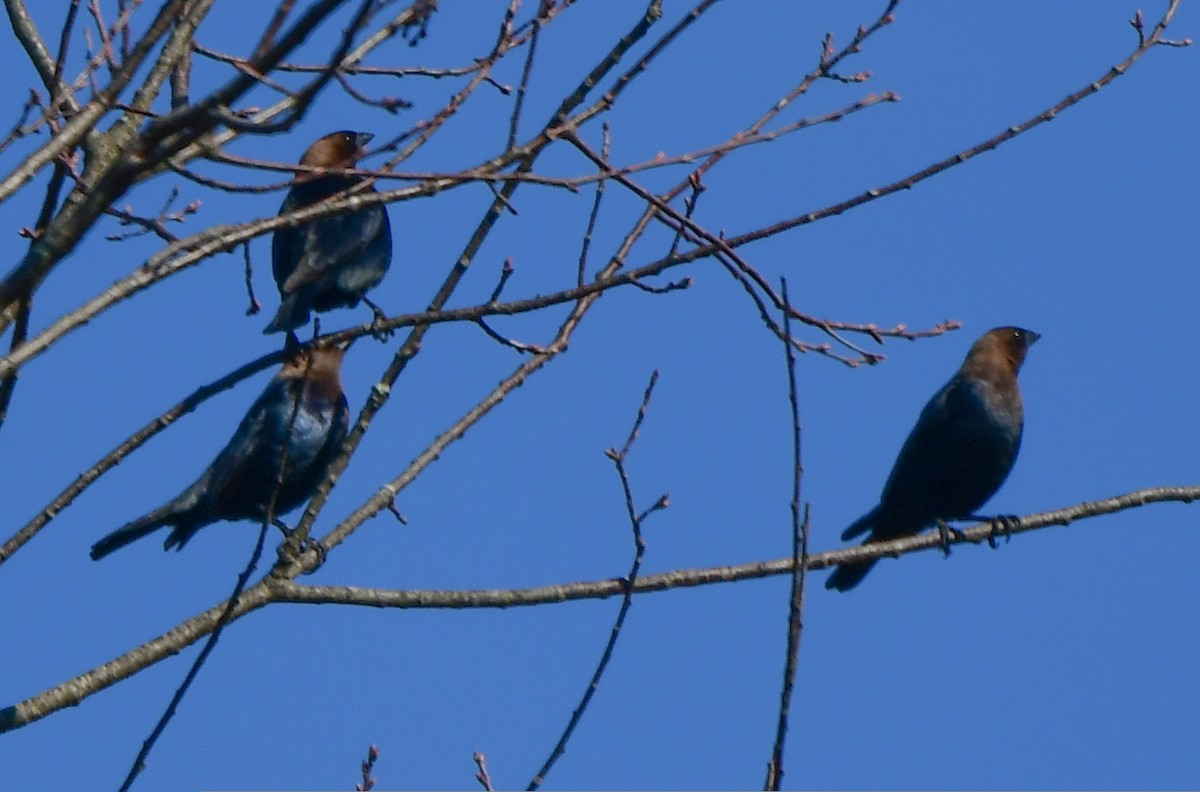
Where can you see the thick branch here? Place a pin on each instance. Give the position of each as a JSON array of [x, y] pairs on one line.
[[159, 142], [29, 37], [81, 209], [178, 47], [79, 126]]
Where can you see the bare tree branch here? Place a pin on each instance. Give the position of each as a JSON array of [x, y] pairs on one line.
[[275, 588]]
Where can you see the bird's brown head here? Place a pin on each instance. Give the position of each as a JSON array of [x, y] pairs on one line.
[[1004, 347], [316, 362], [338, 150]]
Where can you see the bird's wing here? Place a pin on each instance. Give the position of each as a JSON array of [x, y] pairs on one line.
[[330, 242], [339, 425], [285, 243], [921, 463], [249, 451], [958, 454]]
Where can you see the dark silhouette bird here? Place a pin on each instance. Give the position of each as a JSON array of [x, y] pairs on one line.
[[958, 454], [275, 460], [334, 261]]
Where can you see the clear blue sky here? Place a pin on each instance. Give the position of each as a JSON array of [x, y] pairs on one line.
[[1065, 659]]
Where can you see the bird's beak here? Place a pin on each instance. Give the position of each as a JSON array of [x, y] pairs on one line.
[[1031, 337], [361, 139]]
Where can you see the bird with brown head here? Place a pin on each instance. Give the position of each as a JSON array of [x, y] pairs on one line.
[[334, 261], [959, 453], [272, 464]]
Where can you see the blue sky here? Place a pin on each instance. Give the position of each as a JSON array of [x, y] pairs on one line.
[[1064, 659]]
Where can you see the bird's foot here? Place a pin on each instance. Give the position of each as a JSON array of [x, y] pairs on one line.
[[299, 548], [945, 531], [379, 330], [316, 547], [1002, 524]]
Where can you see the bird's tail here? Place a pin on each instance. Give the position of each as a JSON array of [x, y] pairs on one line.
[[861, 525], [847, 576], [134, 531], [292, 313]]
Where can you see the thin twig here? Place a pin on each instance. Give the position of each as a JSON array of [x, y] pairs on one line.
[[8, 385], [526, 70], [390, 104], [505, 43], [511, 343], [605, 148], [639, 551], [255, 305], [795, 622], [22, 127], [367, 767], [64, 41], [689, 207], [151, 225], [482, 776]]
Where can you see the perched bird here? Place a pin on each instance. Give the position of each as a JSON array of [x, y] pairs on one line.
[[285, 443], [331, 262], [958, 454]]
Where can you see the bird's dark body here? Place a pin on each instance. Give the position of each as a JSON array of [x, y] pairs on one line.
[[334, 261], [304, 417], [957, 456]]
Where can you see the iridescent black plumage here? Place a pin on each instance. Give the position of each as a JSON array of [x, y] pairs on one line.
[[958, 454], [330, 262], [302, 410]]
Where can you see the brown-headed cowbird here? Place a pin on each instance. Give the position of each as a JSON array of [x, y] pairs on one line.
[[958, 454], [331, 262], [285, 443]]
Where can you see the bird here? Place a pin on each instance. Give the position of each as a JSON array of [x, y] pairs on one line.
[[272, 464], [334, 261], [957, 456]]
